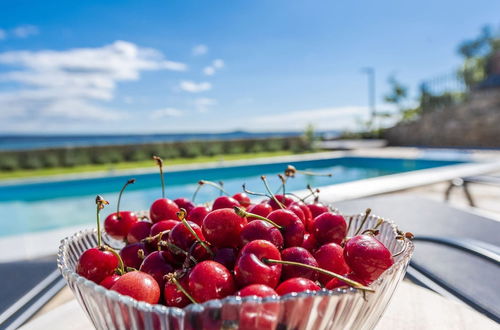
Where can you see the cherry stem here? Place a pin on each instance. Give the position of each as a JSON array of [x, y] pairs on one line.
[[263, 178], [244, 214], [367, 213], [283, 183], [210, 183], [221, 184], [291, 170], [176, 249], [100, 202], [254, 193], [310, 173], [159, 162], [314, 192], [158, 236], [171, 277], [121, 265], [352, 283], [120, 196], [182, 217]]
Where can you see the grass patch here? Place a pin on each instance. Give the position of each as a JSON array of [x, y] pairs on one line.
[[19, 174]]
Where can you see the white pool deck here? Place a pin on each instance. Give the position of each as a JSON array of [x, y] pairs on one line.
[[46, 243]]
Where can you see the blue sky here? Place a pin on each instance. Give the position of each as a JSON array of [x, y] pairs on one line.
[[173, 66]]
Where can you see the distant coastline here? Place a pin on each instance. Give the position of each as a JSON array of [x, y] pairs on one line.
[[41, 141]]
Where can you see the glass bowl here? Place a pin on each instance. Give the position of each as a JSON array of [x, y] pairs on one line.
[[346, 308]]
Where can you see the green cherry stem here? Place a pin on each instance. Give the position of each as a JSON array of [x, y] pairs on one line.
[[263, 178], [182, 217], [176, 249], [253, 193], [120, 196], [367, 213], [100, 202], [171, 277], [352, 283], [121, 265], [159, 162], [244, 214], [210, 183]]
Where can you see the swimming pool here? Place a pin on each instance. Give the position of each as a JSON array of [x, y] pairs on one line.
[[35, 207]]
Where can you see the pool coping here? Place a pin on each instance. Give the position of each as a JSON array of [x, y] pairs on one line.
[[45, 243]]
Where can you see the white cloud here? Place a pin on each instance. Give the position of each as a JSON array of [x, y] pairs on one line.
[[66, 84], [204, 104], [322, 118], [3, 34], [24, 31], [199, 50], [167, 112], [215, 66], [193, 87]]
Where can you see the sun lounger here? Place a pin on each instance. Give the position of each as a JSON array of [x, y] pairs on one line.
[[465, 181]]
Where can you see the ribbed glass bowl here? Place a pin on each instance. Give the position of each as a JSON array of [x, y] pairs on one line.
[[337, 309]]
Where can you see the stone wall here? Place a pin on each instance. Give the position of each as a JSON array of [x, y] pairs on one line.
[[475, 123]]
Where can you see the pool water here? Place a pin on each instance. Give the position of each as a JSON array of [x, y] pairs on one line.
[[44, 206]]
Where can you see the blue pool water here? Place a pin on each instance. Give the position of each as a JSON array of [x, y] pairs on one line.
[[43, 206]]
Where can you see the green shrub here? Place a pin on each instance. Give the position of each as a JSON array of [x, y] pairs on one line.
[[50, 159], [30, 161], [9, 162]]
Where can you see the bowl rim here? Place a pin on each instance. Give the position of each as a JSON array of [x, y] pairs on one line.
[[67, 273]]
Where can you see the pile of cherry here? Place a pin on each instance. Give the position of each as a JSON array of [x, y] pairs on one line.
[[186, 253]]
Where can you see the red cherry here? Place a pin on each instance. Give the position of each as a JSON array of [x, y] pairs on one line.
[[163, 209], [210, 280], [243, 199], [109, 281], [298, 212], [131, 255], [367, 257], [222, 228], [259, 290], [163, 225], [335, 283], [198, 214], [307, 213], [175, 297], [259, 229], [285, 200], [258, 316], [296, 284], [329, 227], [331, 257], [262, 209], [156, 265], [317, 208], [293, 229], [184, 203], [226, 257], [96, 264], [298, 254], [310, 242], [118, 227], [250, 269], [224, 202], [139, 231], [182, 237], [138, 285]]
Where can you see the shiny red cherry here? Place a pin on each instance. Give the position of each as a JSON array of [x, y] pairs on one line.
[[335, 283], [163, 209], [226, 257], [118, 225], [243, 199], [258, 316], [310, 242], [156, 265], [259, 229], [175, 297], [250, 269], [259, 290], [293, 229], [298, 212], [301, 255], [198, 214], [262, 209], [184, 203], [139, 231], [331, 257], [138, 285], [210, 280], [367, 257], [285, 200], [109, 281], [317, 208], [162, 226], [182, 237], [222, 228], [329, 227], [96, 264], [307, 213], [224, 202], [296, 284], [133, 254]]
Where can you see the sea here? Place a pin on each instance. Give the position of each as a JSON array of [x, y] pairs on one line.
[[30, 142]]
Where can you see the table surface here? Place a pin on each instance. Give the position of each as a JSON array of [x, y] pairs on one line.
[[411, 308]]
